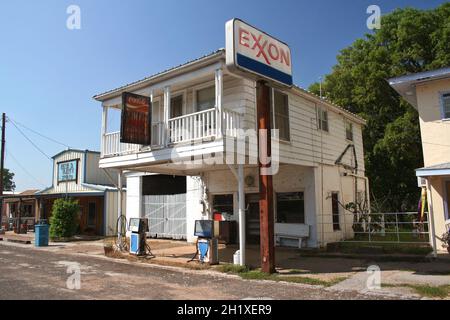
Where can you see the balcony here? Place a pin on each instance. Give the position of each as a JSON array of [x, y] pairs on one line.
[[194, 127]]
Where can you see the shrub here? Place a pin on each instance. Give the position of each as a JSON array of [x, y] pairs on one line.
[[63, 222]]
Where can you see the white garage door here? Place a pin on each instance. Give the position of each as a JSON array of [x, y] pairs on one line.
[[166, 215]]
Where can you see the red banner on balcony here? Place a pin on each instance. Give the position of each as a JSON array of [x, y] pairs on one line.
[[136, 119]]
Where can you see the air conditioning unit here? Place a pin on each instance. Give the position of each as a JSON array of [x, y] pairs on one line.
[[421, 182]]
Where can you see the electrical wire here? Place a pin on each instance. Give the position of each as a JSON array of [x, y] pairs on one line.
[[29, 140], [9, 154], [39, 134]]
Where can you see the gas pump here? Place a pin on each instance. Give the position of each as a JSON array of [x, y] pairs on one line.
[[207, 244], [138, 237]]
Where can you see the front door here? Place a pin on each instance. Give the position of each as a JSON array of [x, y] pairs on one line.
[[252, 219]]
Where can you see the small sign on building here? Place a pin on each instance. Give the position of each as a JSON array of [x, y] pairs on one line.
[[68, 171], [136, 119], [253, 51]]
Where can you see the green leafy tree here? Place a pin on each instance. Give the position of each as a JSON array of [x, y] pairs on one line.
[[63, 222], [409, 41], [8, 180]]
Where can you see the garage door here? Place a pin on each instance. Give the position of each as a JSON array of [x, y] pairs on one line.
[[165, 206], [166, 215]]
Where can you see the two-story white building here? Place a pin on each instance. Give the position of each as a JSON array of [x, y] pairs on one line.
[[198, 109]]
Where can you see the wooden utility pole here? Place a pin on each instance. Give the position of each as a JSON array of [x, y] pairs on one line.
[[265, 182], [2, 166]]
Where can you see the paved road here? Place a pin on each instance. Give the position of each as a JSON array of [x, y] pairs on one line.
[[29, 273]]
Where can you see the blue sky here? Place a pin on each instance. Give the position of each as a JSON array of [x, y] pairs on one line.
[[48, 73]]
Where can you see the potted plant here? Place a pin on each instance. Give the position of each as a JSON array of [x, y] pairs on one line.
[[108, 246]]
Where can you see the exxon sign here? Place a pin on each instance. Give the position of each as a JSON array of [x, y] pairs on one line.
[[251, 50]]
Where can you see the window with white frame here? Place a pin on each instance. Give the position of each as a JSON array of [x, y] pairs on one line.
[[322, 119], [279, 115], [176, 106], [445, 98], [290, 207], [205, 98], [348, 130]]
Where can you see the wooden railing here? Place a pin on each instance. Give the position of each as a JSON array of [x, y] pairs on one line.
[[112, 146], [194, 126]]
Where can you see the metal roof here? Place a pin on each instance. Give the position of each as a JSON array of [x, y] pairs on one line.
[[101, 96], [218, 53], [74, 150], [406, 85], [435, 170]]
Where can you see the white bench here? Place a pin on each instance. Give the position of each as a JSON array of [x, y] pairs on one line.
[[298, 232]]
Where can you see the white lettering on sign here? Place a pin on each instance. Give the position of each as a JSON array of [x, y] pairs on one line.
[[254, 51]]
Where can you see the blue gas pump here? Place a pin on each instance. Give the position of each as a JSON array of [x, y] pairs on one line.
[[138, 237], [207, 245]]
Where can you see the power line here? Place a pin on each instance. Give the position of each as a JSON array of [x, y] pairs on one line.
[[29, 140], [23, 168], [39, 134]]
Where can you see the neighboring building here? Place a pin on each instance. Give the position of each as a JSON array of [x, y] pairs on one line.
[[11, 203], [76, 174], [429, 93], [199, 107]]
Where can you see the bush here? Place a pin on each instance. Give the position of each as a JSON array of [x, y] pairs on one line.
[[63, 222]]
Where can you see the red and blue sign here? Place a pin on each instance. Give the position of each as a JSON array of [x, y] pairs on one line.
[[253, 51]]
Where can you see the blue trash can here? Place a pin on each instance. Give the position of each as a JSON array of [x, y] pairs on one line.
[[41, 235]]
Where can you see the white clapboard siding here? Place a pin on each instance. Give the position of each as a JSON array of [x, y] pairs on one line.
[[111, 205], [72, 186], [308, 145]]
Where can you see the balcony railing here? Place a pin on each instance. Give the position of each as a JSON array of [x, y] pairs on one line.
[[195, 126]]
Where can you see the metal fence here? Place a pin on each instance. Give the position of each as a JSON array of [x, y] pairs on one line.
[[396, 227]]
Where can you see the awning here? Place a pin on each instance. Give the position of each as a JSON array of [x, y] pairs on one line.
[[442, 169]]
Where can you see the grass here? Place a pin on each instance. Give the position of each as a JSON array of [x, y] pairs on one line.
[[246, 273], [386, 248], [424, 290]]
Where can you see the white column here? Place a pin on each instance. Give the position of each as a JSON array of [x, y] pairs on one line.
[[219, 98], [241, 196], [119, 206], [431, 228], [166, 114], [104, 128]]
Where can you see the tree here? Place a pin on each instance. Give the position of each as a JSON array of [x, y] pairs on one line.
[[8, 180], [63, 222], [409, 41]]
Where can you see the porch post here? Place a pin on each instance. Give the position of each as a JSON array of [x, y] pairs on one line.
[[431, 229], [166, 114], [265, 181], [241, 198], [119, 207], [104, 128], [219, 95]]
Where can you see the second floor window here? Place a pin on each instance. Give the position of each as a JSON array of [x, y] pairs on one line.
[[279, 115], [206, 98], [322, 119], [446, 105], [176, 106], [349, 130]]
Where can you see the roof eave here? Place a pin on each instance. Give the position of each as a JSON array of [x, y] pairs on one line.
[[206, 60]]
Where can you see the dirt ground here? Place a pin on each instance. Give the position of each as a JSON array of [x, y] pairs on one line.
[[352, 272]]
